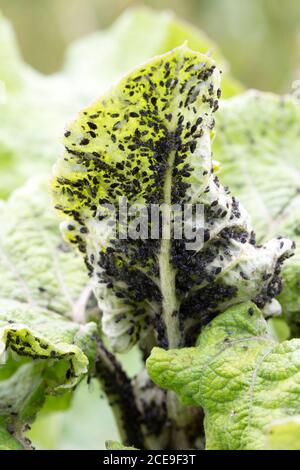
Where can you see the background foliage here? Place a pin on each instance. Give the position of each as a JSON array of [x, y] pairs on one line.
[[267, 29]]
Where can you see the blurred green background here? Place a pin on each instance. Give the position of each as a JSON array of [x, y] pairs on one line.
[[260, 38]]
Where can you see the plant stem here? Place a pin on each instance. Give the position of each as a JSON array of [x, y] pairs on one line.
[[187, 423], [167, 272], [18, 433], [118, 388]]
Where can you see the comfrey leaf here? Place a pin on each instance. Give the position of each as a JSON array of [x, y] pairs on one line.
[[114, 445], [148, 140], [7, 441], [38, 334], [255, 379], [37, 267], [284, 434], [258, 146], [44, 348], [41, 353]]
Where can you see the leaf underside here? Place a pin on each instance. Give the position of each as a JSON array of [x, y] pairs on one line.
[[149, 140], [43, 348]]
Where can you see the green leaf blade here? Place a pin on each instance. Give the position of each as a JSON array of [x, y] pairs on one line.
[[45, 345], [7, 441], [242, 378], [36, 265], [258, 146], [114, 445], [32, 333], [284, 434]]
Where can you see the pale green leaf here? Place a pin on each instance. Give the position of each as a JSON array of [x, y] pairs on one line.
[[36, 333], [238, 373], [7, 441], [62, 430], [115, 445], [45, 347], [258, 144], [149, 140], [37, 267], [284, 434]]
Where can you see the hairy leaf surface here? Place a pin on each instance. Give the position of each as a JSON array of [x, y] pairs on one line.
[[7, 441], [44, 348], [284, 434], [258, 144], [242, 378], [149, 140], [114, 445], [37, 267]]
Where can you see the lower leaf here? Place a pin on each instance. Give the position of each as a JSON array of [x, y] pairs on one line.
[[284, 434], [239, 374], [40, 354], [7, 441], [114, 445]]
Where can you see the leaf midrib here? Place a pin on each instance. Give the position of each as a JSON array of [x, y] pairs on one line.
[[167, 272]]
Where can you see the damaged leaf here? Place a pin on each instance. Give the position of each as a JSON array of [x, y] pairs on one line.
[[44, 346], [148, 140]]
